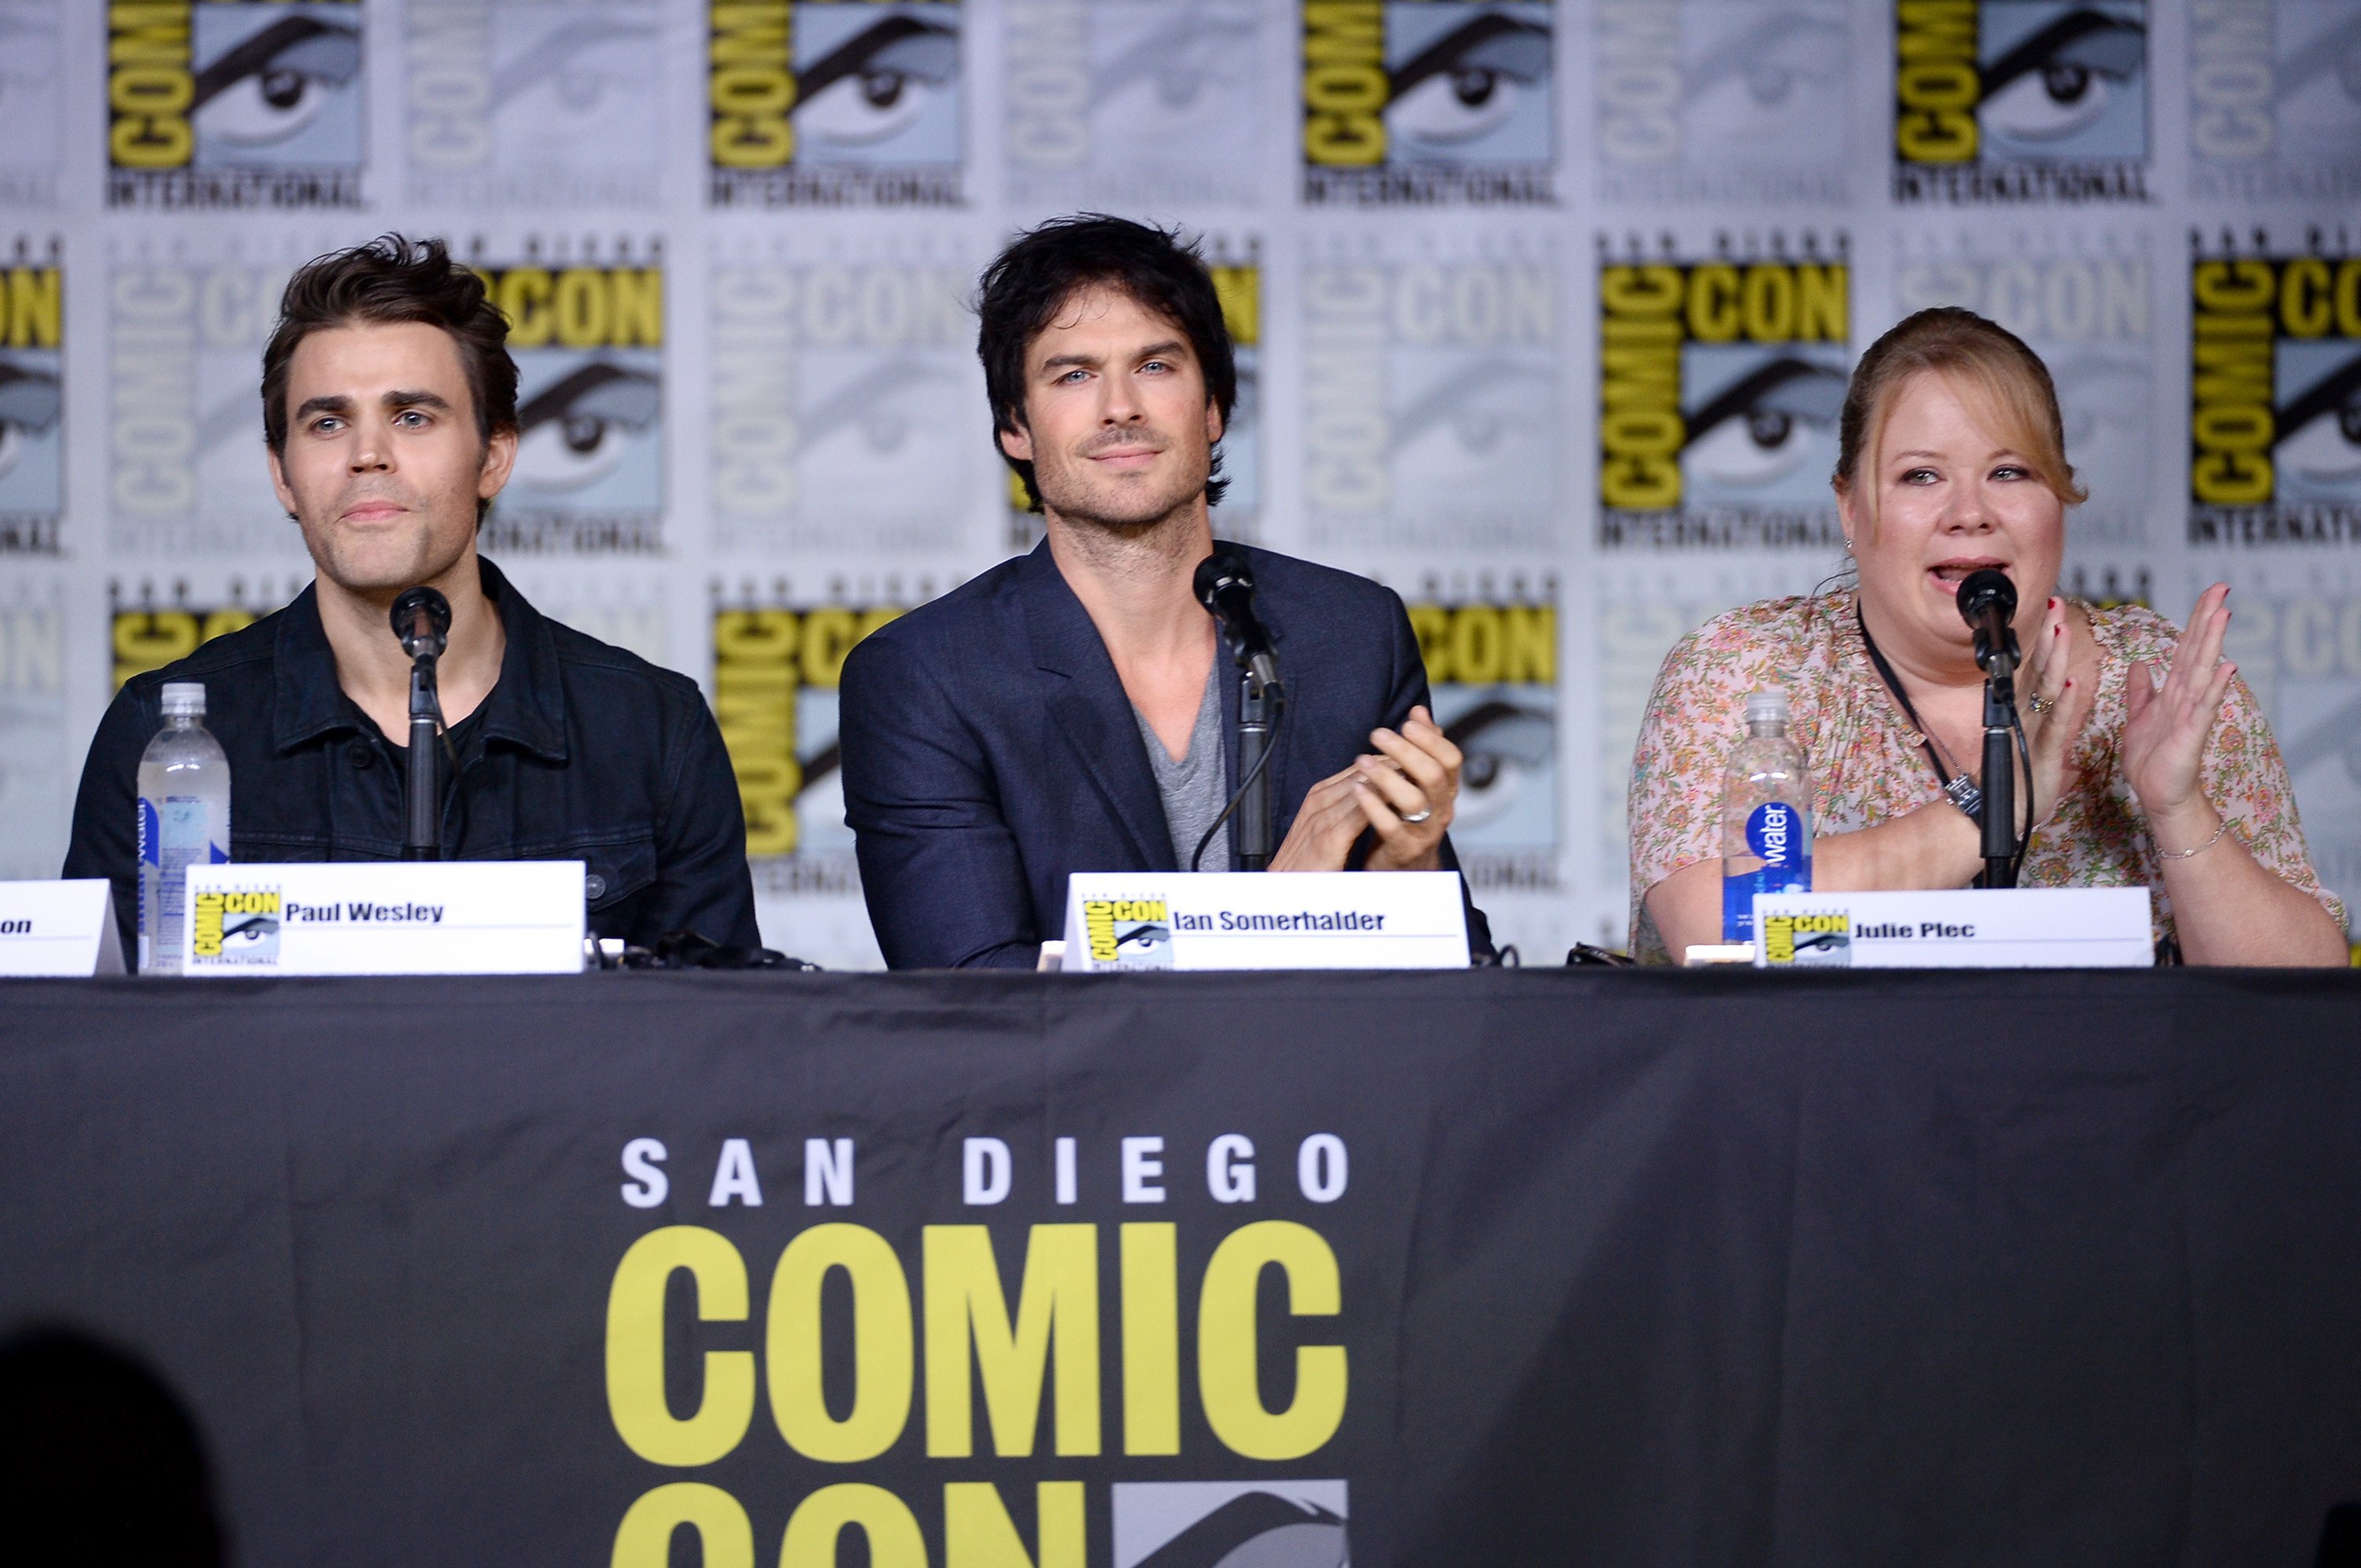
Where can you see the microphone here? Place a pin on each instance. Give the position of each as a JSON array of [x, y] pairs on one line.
[[1226, 587], [422, 618], [1988, 603]]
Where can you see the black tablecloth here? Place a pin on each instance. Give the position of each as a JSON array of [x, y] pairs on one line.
[[1629, 1267]]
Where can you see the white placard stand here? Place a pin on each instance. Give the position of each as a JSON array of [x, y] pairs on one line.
[[385, 918], [59, 929], [2023, 928], [1219, 920]]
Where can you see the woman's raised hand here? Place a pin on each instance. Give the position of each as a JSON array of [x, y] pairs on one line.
[[2169, 716]]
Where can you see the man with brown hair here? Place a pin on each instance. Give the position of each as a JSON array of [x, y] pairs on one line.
[[390, 420]]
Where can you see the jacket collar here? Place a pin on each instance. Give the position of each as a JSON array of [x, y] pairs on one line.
[[527, 707], [1092, 710]]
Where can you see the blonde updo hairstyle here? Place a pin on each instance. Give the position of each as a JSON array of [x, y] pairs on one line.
[[1992, 369]]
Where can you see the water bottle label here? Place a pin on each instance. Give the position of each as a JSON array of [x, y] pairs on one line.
[[1738, 888], [1776, 832]]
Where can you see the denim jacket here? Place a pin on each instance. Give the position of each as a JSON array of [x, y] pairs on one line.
[[582, 752]]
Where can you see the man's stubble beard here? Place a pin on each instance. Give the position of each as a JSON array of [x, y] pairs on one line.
[[1072, 504], [370, 565]]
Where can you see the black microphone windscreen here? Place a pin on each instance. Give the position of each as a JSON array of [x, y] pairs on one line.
[[1217, 573], [1986, 589], [410, 607]]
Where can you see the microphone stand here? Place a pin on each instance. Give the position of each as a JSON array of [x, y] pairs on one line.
[[423, 837], [2000, 761], [1254, 814]]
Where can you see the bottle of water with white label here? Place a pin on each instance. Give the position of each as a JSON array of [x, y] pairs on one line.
[[1766, 816], [183, 821]]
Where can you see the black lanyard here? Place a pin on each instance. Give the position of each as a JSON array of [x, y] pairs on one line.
[[1962, 789]]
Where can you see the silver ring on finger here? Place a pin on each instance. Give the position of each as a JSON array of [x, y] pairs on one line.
[[2042, 704], [1415, 818]]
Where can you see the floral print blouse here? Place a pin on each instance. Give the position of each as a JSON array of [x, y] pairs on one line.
[[1867, 765]]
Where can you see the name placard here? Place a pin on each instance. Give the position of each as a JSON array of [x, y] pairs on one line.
[[59, 929], [385, 918], [1215, 920], [2025, 927]]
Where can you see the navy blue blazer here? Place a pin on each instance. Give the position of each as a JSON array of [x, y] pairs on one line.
[[989, 750]]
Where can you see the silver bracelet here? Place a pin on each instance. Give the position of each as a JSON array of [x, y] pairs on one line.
[[2164, 854]]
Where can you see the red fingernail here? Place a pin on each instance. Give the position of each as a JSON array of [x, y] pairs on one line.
[[2053, 602]]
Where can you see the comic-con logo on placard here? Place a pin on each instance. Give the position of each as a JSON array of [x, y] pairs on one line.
[[1492, 664], [187, 474], [234, 103], [774, 692], [1132, 104], [1433, 383], [1719, 383], [32, 401], [1721, 99], [2088, 316], [588, 337], [2275, 100], [1237, 279], [234, 927], [842, 392], [533, 103], [2020, 101], [1421, 100], [2275, 396], [827, 102]]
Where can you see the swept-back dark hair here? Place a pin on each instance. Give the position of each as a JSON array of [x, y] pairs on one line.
[[390, 279], [1027, 284]]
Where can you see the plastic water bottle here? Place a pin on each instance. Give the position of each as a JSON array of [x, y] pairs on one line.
[[1766, 816], [183, 821]]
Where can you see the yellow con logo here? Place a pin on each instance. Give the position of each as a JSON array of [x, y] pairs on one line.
[[1807, 939], [1134, 932], [234, 927]]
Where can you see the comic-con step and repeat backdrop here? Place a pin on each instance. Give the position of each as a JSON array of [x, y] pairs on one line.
[[1543, 312]]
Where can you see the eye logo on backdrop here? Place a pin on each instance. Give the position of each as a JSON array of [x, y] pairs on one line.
[[1431, 395], [1721, 99], [2020, 100], [2275, 100], [32, 401], [843, 403], [31, 115], [774, 693], [1132, 103], [1410, 101], [1492, 665], [1719, 383], [186, 472], [233, 103], [587, 338], [35, 787], [830, 102], [2088, 316], [533, 103], [2275, 398]]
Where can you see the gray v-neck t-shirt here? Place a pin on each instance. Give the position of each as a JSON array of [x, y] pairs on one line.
[[1196, 787]]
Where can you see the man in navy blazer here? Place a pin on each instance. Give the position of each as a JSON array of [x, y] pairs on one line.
[[1068, 709]]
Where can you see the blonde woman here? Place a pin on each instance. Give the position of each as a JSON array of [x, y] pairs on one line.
[[2151, 764]]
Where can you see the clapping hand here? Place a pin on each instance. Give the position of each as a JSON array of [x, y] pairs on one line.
[[2169, 716], [1405, 790]]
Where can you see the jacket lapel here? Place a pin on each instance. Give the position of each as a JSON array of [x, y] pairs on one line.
[[1088, 708]]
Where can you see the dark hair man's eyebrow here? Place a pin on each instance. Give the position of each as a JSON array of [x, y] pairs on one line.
[[1170, 348], [325, 405], [422, 399]]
